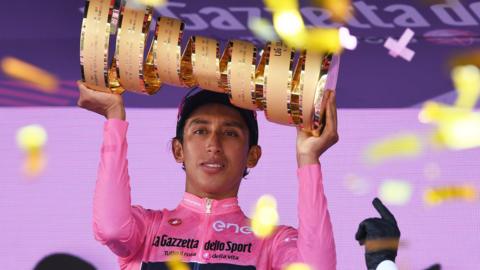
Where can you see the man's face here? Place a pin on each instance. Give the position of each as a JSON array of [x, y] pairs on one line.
[[215, 151]]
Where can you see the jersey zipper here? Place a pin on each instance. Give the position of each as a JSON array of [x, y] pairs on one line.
[[208, 211], [208, 205]]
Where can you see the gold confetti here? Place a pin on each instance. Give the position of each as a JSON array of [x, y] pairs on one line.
[[469, 57], [433, 112], [29, 73], [298, 266], [323, 39], [401, 146], [457, 128], [462, 133], [263, 29], [175, 263], [288, 23], [395, 192], [438, 195], [34, 163], [31, 137], [278, 6], [265, 217], [153, 3], [467, 83], [340, 9]]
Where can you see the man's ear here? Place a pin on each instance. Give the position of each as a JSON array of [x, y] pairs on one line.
[[177, 150], [254, 154]]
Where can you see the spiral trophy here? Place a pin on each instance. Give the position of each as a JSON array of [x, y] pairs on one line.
[[288, 94]]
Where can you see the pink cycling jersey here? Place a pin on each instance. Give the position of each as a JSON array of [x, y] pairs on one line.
[[207, 233]]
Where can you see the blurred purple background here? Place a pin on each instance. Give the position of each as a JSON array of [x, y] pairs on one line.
[[53, 212], [47, 34]]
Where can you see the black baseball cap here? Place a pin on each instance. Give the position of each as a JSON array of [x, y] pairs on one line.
[[197, 97]]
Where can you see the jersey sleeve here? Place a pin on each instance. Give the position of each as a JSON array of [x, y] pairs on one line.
[[116, 223], [313, 242]]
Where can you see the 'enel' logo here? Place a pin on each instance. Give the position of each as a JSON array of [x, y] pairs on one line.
[[220, 226]]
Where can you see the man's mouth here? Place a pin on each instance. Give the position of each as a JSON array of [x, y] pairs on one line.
[[212, 167]]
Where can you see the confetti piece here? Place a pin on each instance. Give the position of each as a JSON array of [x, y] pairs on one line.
[[401, 146], [24, 71], [340, 9], [322, 39], [471, 57], [34, 163], [457, 128], [399, 48], [31, 137], [434, 112], [278, 6], [374, 245], [436, 196], [288, 24], [153, 3], [263, 29], [175, 263], [348, 41], [395, 192], [265, 217], [467, 84], [462, 133], [298, 266], [356, 184]]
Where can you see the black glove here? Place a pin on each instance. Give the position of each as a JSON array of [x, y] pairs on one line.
[[435, 267], [379, 235]]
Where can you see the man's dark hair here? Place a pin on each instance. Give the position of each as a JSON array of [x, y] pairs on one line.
[[197, 97]]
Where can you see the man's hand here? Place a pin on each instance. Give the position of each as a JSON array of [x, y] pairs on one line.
[[379, 235], [106, 104], [309, 147]]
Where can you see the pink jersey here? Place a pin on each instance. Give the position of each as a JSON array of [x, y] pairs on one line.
[[207, 233]]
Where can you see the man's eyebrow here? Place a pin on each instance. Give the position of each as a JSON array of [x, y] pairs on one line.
[[198, 121], [234, 124], [228, 123]]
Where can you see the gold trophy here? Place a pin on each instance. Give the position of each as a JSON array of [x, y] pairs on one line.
[[289, 96]]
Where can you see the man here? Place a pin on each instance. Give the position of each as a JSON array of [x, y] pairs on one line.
[[216, 143]]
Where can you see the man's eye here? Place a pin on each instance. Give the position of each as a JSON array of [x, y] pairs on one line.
[[200, 131], [231, 133]]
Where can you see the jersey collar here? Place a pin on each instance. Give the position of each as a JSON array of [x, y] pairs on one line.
[[210, 206]]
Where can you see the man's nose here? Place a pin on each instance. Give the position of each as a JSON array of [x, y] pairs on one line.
[[214, 144]]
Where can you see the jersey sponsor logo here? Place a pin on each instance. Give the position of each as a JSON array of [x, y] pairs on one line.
[[167, 241], [227, 246], [220, 226], [174, 221]]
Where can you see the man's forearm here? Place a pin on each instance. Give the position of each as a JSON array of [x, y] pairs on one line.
[[315, 234], [306, 159], [116, 112]]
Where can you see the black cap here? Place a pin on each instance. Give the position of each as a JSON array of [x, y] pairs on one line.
[[198, 97]]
